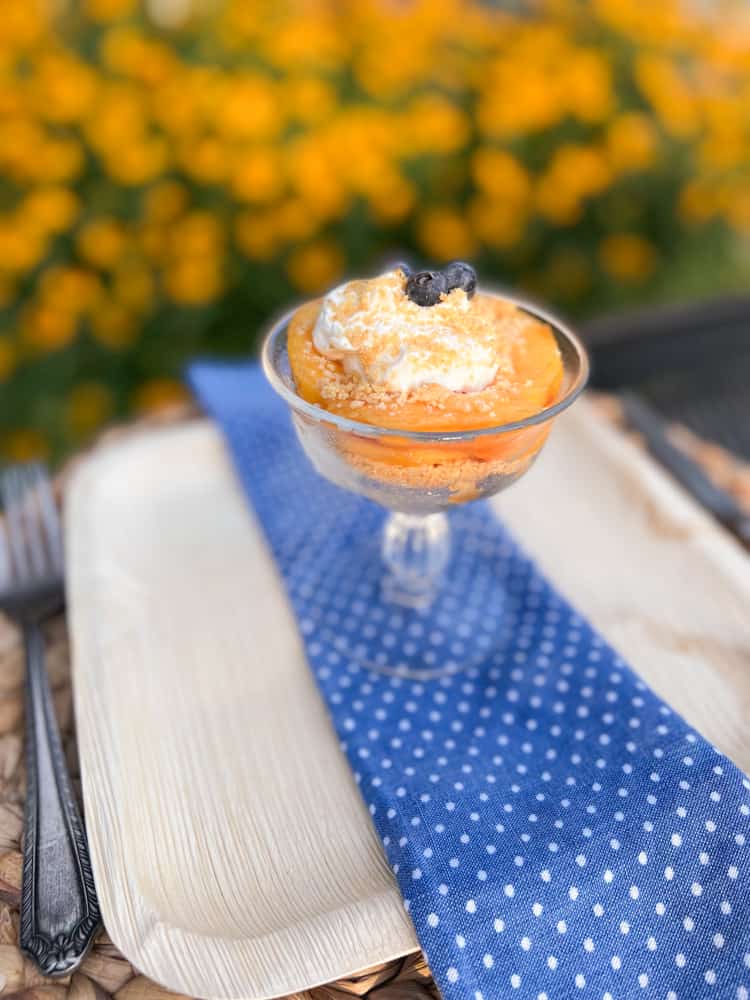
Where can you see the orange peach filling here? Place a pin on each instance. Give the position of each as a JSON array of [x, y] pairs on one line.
[[527, 382]]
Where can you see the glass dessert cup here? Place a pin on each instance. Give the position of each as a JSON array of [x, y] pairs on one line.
[[421, 592]]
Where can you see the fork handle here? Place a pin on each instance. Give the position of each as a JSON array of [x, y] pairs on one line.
[[59, 909]]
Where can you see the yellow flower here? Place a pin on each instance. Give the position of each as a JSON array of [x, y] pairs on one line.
[[12, 99], [25, 444], [113, 325], [45, 328], [22, 146], [733, 198], [51, 208], [393, 201], [403, 46], [193, 281], [127, 51], [160, 394], [587, 85], [557, 204], [315, 266], [445, 234], [257, 235], [575, 173], [60, 160], [308, 100], [88, 406], [165, 201], [501, 175], [517, 97], [69, 288], [725, 148], [669, 93], [433, 124], [21, 247], [368, 173], [628, 256], [250, 108], [23, 23], [583, 169], [311, 171], [108, 10], [205, 85], [101, 242], [117, 119], [197, 234], [738, 213], [698, 201], [175, 108], [294, 220], [63, 88], [257, 176], [498, 223], [631, 142], [308, 39], [138, 161], [357, 148], [658, 24], [206, 160], [154, 240]]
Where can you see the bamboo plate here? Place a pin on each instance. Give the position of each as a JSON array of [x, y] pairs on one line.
[[232, 854]]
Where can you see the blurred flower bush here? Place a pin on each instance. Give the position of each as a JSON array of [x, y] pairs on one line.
[[172, 174]]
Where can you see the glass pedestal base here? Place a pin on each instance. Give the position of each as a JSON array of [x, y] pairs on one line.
[[463, 626]]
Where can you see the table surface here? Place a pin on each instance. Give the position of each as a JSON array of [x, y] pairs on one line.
[[650, 569]]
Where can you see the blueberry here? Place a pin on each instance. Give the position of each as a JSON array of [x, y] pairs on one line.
[[460, 275], [426, 287]]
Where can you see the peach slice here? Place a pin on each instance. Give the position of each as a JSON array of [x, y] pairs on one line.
[[538, 372]]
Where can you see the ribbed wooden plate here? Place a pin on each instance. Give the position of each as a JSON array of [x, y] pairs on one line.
[[231, 852]]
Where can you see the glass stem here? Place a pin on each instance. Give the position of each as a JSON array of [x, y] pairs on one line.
[[416, 549]]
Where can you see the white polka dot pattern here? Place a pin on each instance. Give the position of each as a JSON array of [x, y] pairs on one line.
[[555, 829]]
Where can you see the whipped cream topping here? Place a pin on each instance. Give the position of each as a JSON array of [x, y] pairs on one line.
[[384, 338]]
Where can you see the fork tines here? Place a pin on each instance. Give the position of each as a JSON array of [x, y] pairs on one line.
[[32, 524]]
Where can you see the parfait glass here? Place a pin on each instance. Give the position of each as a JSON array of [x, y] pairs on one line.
[[430, 597]]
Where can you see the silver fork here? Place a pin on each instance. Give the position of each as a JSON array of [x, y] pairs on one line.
[[59, 909]]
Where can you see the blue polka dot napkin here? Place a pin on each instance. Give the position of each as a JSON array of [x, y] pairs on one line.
[[556, 831]]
